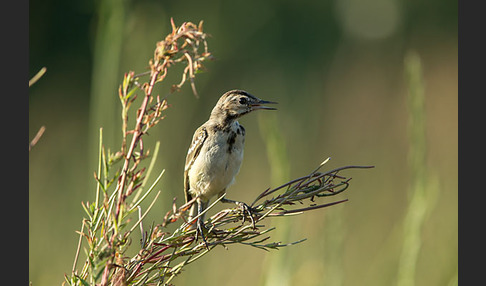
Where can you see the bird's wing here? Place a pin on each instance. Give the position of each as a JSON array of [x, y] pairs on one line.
[[196, 145]]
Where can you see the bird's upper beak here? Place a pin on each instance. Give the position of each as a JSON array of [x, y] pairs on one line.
[[258, 105]]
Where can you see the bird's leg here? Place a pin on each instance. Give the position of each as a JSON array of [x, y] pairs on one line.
[[242, 205], [200, 223]]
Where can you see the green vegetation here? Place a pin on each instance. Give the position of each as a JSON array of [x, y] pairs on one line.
[[344, 90]]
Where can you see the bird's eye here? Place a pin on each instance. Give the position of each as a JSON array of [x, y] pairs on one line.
[[243, 100]]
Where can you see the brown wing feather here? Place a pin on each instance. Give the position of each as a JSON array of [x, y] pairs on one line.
[[196, 145]]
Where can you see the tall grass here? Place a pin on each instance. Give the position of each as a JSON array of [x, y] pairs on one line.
[[277, 267], [105, 73], [423, 188]]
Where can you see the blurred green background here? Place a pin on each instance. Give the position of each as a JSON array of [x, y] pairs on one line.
[[337, 69]]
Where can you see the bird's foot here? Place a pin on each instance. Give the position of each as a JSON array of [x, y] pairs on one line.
[[200, 230], [249, 210], [244, 208]]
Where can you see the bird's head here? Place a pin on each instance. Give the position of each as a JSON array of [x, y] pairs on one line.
[[236, 103]]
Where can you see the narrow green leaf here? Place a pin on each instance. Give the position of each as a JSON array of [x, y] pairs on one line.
[[99, 168], [146, 193]]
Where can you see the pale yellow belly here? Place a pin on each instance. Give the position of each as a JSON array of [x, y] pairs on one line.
[[215, 169]]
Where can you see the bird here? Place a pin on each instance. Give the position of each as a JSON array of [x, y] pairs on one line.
[[216, 152]]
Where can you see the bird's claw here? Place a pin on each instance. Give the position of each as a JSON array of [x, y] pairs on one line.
[[249, 210], [200, 231]]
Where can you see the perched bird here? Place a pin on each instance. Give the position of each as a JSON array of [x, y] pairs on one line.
[[216, 152]]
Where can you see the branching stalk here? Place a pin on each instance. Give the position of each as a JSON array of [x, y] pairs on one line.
[[110, 221]]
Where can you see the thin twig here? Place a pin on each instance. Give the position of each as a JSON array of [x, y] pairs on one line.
[[136, 135], [37, 137], [80, 240], [37, 76]]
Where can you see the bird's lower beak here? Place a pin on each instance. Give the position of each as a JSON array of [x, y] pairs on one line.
[[258, 105]]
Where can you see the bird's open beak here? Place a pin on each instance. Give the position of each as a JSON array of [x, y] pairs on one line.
[[258, 105]]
